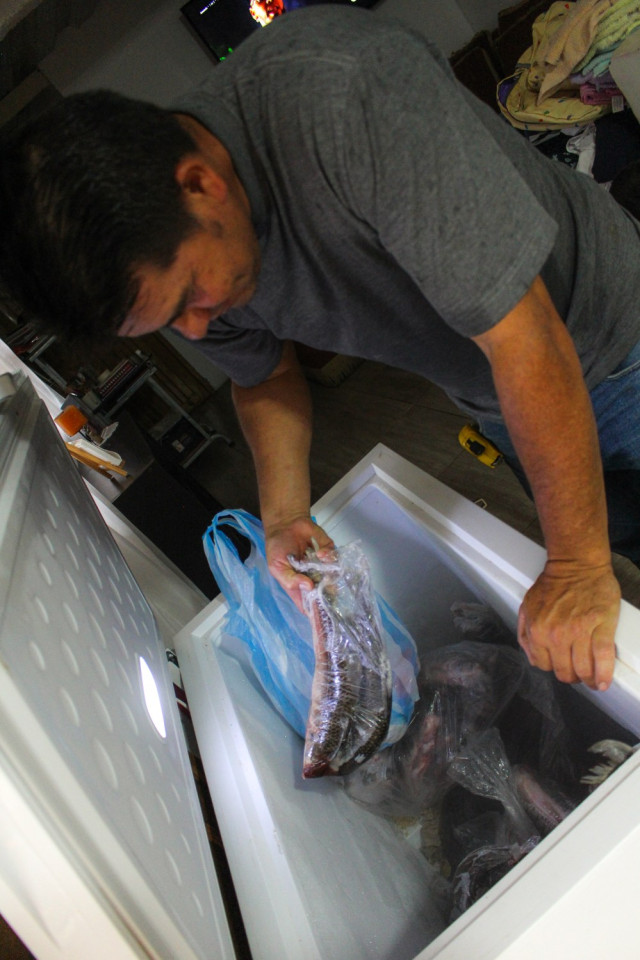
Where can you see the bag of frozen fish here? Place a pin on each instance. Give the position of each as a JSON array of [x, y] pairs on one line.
[[344, 677], [497, 754], [353, 684]]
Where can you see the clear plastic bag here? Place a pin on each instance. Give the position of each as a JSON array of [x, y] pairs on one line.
[[352, 685], [540, 734], [480, 870], [543, 800], [463, 689], [278, 636], [482, 767], [495, 842]]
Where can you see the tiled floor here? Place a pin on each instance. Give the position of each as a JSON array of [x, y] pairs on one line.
[[378, 404]]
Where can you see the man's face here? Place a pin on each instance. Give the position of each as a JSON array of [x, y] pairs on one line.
[[216, 268]]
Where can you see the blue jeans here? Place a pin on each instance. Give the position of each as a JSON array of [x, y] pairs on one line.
[[616, 406]]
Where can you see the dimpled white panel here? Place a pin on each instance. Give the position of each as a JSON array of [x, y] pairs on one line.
[[75, 626]]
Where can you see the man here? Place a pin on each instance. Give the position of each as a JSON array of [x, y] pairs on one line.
[[332, 184]]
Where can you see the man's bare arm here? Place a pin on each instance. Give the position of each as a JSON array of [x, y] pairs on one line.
[[276, 419], [568, 618]]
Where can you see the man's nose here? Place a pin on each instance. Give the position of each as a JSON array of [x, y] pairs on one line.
[[194, 323]]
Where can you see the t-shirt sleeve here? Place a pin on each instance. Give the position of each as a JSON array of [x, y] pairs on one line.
[[247, 356], [441, 194]]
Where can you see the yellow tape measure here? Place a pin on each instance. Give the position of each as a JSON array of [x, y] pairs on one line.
[[479, 446]]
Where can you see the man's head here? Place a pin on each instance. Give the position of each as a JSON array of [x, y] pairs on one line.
[[88, 198]]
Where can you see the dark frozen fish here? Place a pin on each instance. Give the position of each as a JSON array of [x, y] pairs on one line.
[[409, 775], [613, 754], [477, 621], [543, 801], [483, 768], [481, 678], [533, 726], [480, 870], [463, 687], [351, 691]]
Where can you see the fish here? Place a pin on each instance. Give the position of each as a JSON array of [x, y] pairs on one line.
[[351, 692], [480, 870], [483, 768], [410, 775], [613, 753], [544, 801], [462, 687], [481, 678]]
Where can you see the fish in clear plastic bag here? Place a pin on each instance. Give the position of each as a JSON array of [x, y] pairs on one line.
[[463, 689], [544, 801], [480, 870], [351, 693], [531, 809], [483, 768]]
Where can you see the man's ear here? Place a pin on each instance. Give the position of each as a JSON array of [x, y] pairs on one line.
[[202, 186]]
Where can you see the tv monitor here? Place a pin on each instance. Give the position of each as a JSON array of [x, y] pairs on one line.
[[223, 24]]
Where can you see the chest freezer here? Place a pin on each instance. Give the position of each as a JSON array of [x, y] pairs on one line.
[[103, 851]]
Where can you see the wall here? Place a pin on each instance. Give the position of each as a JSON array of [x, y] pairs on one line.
[[443, 22], [482, 14], [142, 49], [146, 50], [450, 25]]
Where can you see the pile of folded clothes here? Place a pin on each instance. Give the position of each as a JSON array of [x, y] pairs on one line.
[[563, 79]]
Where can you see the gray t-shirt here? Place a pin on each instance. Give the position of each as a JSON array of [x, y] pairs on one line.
[[397, 215]]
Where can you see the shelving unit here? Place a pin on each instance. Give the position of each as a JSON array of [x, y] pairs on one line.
[[178, 432], [187, 437]]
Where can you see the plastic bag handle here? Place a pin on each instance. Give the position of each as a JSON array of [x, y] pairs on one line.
[[222, 552]]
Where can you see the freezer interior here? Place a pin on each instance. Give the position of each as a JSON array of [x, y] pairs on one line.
[[318, 875]]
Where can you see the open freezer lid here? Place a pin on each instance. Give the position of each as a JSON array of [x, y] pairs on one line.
[[103, 850], [309, 881]]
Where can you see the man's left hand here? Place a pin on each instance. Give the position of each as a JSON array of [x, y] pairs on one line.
[[567, 622]]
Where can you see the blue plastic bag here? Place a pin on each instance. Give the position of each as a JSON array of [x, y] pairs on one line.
[[279, 637]]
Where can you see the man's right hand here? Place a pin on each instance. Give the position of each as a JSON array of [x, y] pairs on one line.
[[294, 537]]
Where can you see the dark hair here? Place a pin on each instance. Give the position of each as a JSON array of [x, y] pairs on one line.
[[625, 188], [87, 195]]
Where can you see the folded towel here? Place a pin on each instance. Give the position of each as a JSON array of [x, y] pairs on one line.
[[615, 26]]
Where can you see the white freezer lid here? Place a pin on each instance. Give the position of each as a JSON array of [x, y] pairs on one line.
[[103, 850], [572, 895]]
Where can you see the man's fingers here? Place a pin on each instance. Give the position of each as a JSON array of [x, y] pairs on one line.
[[567, 624], [537, 655], [292, 582], [543, 653], [604, 650]]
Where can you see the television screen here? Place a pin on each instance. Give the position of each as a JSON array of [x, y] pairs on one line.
[[223, 24]]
